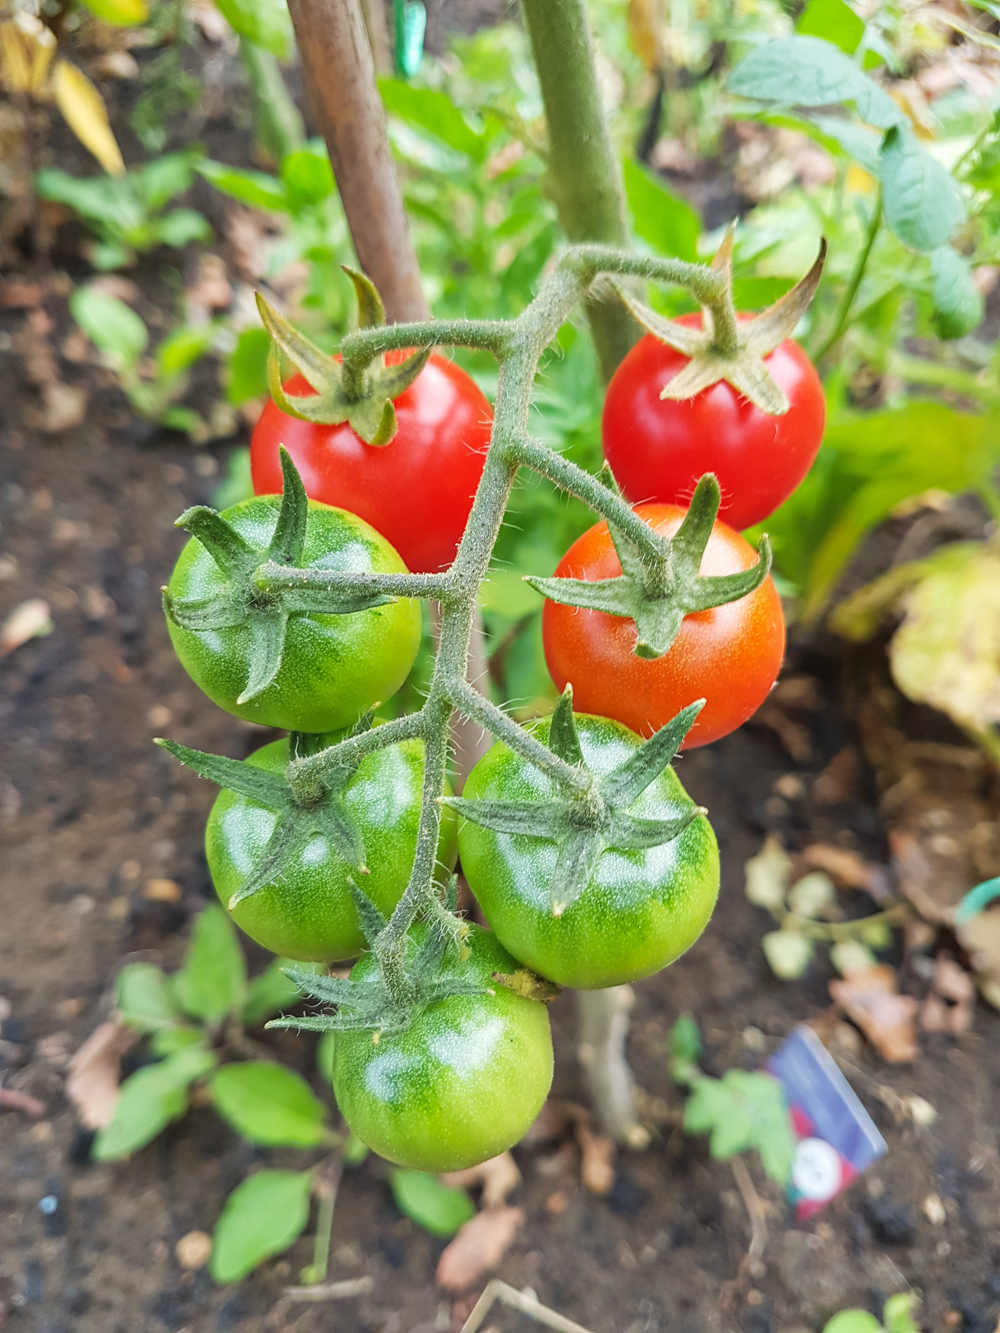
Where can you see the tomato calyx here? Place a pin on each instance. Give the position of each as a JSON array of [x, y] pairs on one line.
[[360, 393], [728, 349], [657, 593], [367, 1002], [250, 596], [586, 824], [301, 814]]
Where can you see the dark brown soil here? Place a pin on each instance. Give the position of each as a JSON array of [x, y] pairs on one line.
[[92, 811]]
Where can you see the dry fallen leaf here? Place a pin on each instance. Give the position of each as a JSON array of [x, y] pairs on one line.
[[598, 1159], [92, 1081], [950, 1005], [872, 1000], [31, 620], [849, 869], [499, 1176], [84, 111], [479, 1246]]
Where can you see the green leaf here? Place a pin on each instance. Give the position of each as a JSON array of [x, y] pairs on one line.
[[212, 982], [685, 1049], [269, 1104], [922, 202], [505, 593], [437, 1208], [112, 326], [168, 1040], [668, 224], [181, 226], [308, 177], [95, 197], [183, 347], [958, 303], [324, 1053], [743, 1111], [150, 1100], [853, 1321], [143, 997], [834, 21], [266, 23], [897, 1313], [254, 188], [272, 991], [165, 177], [436, 114], [122, 13], [247, 367], [262, 1216], [806, 71]]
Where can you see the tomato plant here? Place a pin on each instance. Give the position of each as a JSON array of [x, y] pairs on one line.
[[657, 447], [728, 654], [265, 657], [641, 906], [461, 1083], [416, 490], [308, 911]]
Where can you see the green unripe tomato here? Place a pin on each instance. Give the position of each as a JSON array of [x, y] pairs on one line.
[[462, 1083], [308, 912], [334, 668], [639, 911]]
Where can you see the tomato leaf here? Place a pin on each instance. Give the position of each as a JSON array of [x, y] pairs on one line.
[[266, 23], [262, 1216], [437, 1208], [113, 327], [743, 1111], [959, 306], [834, 21], [434, 113], [246, 373], [254, 188], [150, 1100], [807, 71], [308, 177], [922, 202], [142, 995], [212, 982], [667, 223], [269, 1104]]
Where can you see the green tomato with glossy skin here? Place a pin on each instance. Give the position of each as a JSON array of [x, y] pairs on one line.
[[308, 911], [334, 668], [462, 1083], [639, 911]]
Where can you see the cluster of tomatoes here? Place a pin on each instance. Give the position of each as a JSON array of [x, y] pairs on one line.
[[465, 1078]]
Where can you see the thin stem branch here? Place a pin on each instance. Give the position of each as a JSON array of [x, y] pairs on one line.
[[469, 701], [486, 335], [305, 773], [847, 301], [273, 578]]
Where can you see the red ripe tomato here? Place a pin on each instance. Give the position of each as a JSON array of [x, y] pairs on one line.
[[729, 656], [416, 490], [658, 448]]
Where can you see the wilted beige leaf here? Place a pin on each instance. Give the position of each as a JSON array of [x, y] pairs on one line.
[[872, 1000], [31, 620], [26, 50], [84, 111], [980, 937], [478, 1247], [92, 1082], [499, 1176], [768, 875], [597, 1164]]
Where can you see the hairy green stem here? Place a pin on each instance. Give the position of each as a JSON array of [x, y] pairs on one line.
[[847, 301], [582, 165]]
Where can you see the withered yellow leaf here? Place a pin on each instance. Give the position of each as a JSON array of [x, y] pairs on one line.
[[85, 113]]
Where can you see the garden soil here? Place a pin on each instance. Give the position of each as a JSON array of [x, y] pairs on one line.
[[101, 863]]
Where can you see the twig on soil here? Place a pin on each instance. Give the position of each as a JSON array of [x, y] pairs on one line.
[[526, 1302], [11, 1100], [758, 1222], [332, 1291]]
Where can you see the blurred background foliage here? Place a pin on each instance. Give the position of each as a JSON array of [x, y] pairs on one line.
[[875, 125]]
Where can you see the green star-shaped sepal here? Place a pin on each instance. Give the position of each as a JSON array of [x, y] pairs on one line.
[[743, 365], [325, 811], [585, 825], [657, 594], [247, 596], [367, 1002], [365, 400]]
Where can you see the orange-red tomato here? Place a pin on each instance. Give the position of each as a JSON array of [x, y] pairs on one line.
[[729, 656]]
